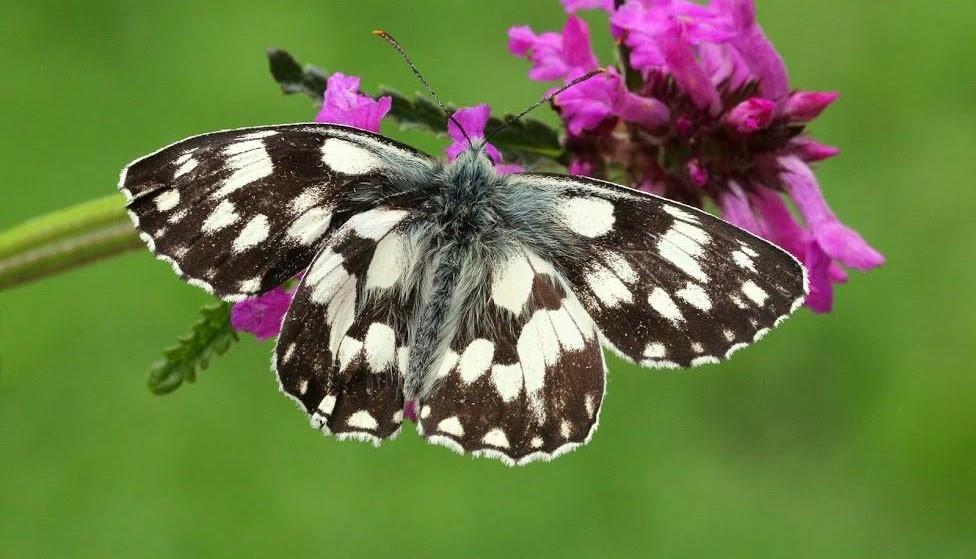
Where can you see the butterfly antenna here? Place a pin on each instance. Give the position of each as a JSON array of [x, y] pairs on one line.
[[430, 91], [545, 99]]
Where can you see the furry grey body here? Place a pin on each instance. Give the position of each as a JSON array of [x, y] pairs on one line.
[[472, 219]]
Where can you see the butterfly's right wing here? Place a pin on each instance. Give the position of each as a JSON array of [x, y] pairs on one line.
[[239, 212], [341, 351]]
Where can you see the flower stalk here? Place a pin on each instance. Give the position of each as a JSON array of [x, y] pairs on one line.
[[65, 239]]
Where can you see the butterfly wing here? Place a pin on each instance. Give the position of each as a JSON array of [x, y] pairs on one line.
[[341, 351], [526, 381], [239, 212], [669, 285]]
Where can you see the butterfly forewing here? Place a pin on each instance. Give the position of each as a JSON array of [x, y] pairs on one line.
[[342, 349], [241, 211], [669, 285]]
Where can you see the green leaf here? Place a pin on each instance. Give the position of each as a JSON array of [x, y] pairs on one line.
[[293, 78], [211, 335], [529, 142]]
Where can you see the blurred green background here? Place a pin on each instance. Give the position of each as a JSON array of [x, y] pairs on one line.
[[846, 435]]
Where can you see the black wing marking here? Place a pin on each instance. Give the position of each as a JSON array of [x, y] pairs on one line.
[[668, 285], [239, 212], [341, 349], [529, 384]]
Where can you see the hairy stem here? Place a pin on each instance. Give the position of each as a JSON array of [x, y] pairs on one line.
[[65, 239]]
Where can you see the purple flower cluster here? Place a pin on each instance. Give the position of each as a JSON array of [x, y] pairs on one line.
[[703, 111]]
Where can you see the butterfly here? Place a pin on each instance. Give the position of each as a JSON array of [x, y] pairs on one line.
[[479, 300]]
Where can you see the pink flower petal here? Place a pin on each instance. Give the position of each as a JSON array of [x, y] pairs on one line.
[[811, 150], [757, 51], [835, 238], [261, 315], [343, 104], [804, 106], [572, 6]]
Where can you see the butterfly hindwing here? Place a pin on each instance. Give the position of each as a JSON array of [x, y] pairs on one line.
[[341, 350], [669, 285], [241, 211], [528, 382]]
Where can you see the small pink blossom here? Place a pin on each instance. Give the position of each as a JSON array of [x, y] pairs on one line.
[[343, 104], [804, 106], [261, 315], [751, 115]]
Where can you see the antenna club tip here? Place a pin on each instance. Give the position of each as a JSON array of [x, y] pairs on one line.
[[379, 32]]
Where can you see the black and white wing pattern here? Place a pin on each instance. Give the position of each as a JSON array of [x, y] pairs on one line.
[[239, 212], [341, 352], [527, 381], [668, 285]]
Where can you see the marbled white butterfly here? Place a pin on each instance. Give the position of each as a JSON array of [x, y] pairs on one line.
[[482, 300]]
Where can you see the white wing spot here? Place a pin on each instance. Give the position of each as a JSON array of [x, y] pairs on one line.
[[349, 348], [675, 211], [743, 260], [308, 199], [252, 285], [695, 296], [375, 224], [253, 233], [682, 252], [289, 352], [589, 405], [496, 437], [310, 226], [476, 360], [451, 426], [249, 162], [511, 287], [380, 346], [403, 359], [655, 350], [388, 263], [327, 404], [607, 287], [303, 386], [349, 158], [259, 134], [362, 420], [223, 215], [590, 217], [755, 293], [536, 442], [448, 362], [661, 302], [507, 380], [621, 267], [565, 429], [425, 412], [185, 167], [168, 200]]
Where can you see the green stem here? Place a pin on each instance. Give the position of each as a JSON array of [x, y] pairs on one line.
[[65, 239]]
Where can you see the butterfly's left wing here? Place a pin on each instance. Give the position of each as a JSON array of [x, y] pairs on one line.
[[668, 285], [239, 212]]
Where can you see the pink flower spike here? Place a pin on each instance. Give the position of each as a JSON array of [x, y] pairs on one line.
[[261, 315], [804, 106], [572, 6], [588, 104], [343, 104], [836, 239], [751, 115], [736, 209]]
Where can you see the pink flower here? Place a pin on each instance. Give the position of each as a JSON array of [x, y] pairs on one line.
[[555, 56], [473, 121], [751, 115], [261, 315], [343, 104]]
